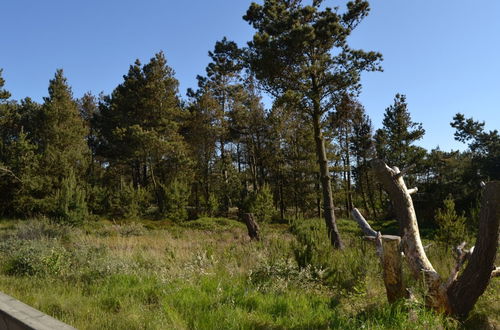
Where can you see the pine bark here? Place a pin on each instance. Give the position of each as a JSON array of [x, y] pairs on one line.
[[328, 206]]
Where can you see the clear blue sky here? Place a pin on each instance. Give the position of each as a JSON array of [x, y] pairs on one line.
[[444, 55]]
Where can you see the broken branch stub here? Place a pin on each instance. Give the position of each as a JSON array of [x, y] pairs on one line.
[[389, 252]]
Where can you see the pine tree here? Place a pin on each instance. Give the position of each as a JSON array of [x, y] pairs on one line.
[[485, 146], [4, 94], [140, 128], [62, 133], [394, 141], [301, 51]]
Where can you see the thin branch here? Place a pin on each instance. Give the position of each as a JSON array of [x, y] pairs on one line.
[[461, 256], [412, 191], [9, 172], [363, 224]]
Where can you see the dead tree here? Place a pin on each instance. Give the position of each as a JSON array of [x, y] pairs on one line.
[[389, 252], [252, 226], [457, 294]]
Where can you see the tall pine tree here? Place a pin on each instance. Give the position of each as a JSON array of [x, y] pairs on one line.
[[301, 51]]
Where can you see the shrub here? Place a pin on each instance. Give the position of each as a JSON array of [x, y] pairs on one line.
[[451, 226], [175, 199], [37, 229], [128, 202], [211, 205], [347, 271], [259, 203], [70, 206]]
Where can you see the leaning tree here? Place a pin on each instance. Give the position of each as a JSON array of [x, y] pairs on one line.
[[301, 51]]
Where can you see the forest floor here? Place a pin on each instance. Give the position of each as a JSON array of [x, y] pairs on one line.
[[207, 274]]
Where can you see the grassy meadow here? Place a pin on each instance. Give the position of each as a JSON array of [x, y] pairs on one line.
[[207, 274]]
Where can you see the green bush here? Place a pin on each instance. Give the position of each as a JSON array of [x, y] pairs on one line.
[[175, 200], [96, 198], [259, 203], [70, 206], [38, 229], [347, 271], [128, 202], [451, 226], [210, 205], [37, 258]]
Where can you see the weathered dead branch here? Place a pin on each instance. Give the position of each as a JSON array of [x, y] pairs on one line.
[[363, 224], [456, 295], [389, 252]]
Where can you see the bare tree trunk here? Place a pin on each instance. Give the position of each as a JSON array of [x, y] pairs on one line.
[[392, 181], [328, 207], [252, 226], [392, 264], [461, 293], [389, 252], [455, 296]]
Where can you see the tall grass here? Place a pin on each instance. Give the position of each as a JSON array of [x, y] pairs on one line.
[[207, 274]]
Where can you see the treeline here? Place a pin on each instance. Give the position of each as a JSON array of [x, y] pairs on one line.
[[143, 151]]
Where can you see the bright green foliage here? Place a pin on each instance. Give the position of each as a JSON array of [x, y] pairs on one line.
[[395, 140], [452, 227], [263, 205], [70, 206], [127, 202], [175, 196]]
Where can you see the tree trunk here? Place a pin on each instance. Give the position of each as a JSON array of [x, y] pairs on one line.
[[253, 228], [282, 198], [455, 296], [461, 293], [389, 252], [369, 188], [392, 181], [328, 207], [392, 264], [348, 172]]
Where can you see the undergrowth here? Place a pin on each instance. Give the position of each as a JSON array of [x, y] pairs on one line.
[[206, 274]]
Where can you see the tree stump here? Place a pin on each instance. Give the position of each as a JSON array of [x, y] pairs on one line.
[[252, 226], [388, 250], [392, 265]]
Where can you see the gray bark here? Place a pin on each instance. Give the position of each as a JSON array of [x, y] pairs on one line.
[[455, 296], [328, 207]]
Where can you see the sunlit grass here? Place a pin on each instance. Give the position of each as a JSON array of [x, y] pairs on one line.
[[207, 274]]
